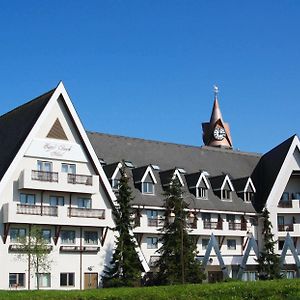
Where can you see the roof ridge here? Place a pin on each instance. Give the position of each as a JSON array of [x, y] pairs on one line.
[[25, 104], [179, 145]]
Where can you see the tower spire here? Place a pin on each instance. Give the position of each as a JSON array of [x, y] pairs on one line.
[[216, 133]]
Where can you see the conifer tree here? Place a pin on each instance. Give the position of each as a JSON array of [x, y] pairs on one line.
[[177, 263], [269, 267], [125, 268]]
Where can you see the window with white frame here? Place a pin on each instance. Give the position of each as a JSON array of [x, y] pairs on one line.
[[45, 166], [68, 168], [115, 184], [67, 236], [152, 242], [16, 279], [46, 234], [67, 279], [84, 203], [231, 244], [27, 199], [148, 188], [226, 194], [44, 279], [202, 193], [91, 237], [56, 201], [17, 234], [205, 243], [248, 196]]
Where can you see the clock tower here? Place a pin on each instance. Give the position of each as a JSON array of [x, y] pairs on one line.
[[216, 133]]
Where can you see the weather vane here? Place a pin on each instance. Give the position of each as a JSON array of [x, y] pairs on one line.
[[216, 91]]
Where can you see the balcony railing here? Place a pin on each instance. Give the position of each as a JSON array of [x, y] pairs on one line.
[[237, 226], [155, 222], [285, 227], [80, 179], [28, 209], [212, 225], [86, 213], [79, 249], [285, 204], [44, 176]]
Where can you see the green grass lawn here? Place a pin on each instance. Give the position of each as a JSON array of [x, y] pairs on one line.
[[277, 289]]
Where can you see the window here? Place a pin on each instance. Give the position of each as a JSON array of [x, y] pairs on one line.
[[91, 237], [56, 201], [44, 279], [68, 168], [16, 279], [296, 196], [152, 242], [280, 220], [226, 194], [289, 274], [152, 214], [202, 193], [67, 236], [285, 197], [147, 188], [115, 184], [249, 276], [231, 244], [67, 279], [230, 218], [280, 244], [205, 244], [206, 217], [16, 234], [45, 166], [27, 199], [84, 203], [46, 234], [248, 196]]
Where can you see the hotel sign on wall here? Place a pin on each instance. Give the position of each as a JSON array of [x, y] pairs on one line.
[[54, 149]]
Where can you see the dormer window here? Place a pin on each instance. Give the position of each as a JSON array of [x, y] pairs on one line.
[[115, 184], [244, 188], [148, 188], [226, 194], [248, 196], [202, 193]]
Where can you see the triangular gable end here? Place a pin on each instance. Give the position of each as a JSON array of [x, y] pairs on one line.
[[147, 173], [227, 183], [249, 187], [60, 93], [213, 244], [57, 132], [176, 173], [203, 179], [117, 174]]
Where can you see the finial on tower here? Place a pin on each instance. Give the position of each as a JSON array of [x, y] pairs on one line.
[[216, 91]]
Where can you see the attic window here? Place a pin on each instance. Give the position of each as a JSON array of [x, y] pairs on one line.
[[248, 196], [226, 194], [201, 193], [128, 164], [148, 188], [115, 184], [155, 167]]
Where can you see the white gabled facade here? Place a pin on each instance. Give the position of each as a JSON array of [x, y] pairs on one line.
[[58, 185]]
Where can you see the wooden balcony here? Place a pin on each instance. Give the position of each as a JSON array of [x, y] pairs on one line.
[[155, 222], [237, 226], [285, 204], [28, 209], [285, 227], [86, 213], [212, 225], [21, 248], [89, 249]]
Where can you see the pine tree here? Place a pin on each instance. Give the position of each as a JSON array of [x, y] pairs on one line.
[[269, 267], [125, 268], [177, 263]]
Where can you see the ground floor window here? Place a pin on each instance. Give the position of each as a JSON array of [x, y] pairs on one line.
[[152, 242], [16, 279], [91, 237], [289, 274], [17, 234], [67, 279], [249, 276], [231, 244], [44, 279]]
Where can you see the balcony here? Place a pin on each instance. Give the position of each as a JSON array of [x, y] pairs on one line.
[[89, 249], [29, 209], [285, 204], [59, 181], [285, 227], [155, 222], [21, 248], [212, 225], [237, 226], [86, 213]]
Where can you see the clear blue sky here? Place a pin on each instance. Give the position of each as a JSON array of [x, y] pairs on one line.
[[146, 68]]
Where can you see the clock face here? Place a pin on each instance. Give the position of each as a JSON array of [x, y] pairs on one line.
[[219, 133]]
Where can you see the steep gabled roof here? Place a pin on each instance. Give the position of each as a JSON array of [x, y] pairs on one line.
[[15, 127], [266, 172]]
